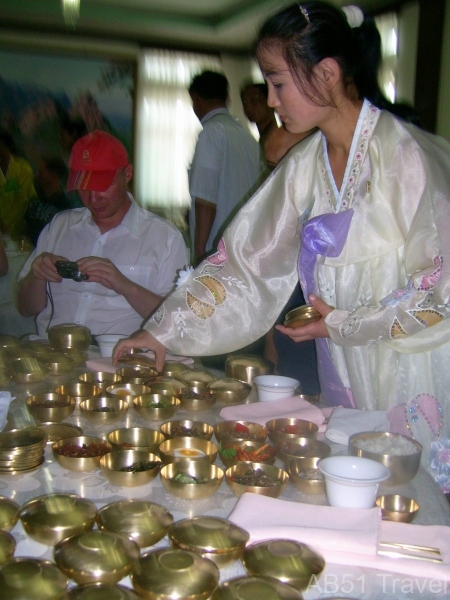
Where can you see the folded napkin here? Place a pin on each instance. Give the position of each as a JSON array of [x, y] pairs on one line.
[[344, 422], [261, 412], [105, 363], [5, 399], [342, 535]]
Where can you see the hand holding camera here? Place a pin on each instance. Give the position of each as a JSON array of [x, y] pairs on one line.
[[69, 270]]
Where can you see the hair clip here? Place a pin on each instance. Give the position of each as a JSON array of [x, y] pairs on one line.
[[304, 13], [355, 16]]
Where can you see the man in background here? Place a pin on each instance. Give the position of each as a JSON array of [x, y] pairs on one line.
[[127, 258], [225, 167]]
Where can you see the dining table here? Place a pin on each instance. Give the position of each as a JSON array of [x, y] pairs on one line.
[[336, 581]]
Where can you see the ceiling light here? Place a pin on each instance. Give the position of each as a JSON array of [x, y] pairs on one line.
[[71, 11]]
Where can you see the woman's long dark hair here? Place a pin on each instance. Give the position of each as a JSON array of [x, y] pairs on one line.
[[309, 32]]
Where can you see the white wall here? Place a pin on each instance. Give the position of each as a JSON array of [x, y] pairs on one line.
[[443, 121], [237, 70], [408, 26]]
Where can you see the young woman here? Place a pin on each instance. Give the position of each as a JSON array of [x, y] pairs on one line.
[[366, 201]]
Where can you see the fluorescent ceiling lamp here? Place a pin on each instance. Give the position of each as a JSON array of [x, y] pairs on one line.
[[71, 11]]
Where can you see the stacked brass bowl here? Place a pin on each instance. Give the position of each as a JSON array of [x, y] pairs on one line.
[[21, 450]]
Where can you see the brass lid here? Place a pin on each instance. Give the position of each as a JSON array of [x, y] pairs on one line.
[[60, 431], [7, 546], [286, 560], [101, 591], [302, 315], [255, 588], [22, 578], [143, 522], [207, 534], [9, 513]]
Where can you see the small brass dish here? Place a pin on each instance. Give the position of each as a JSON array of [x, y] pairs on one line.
[[255, 588], [9, 513], [115, 465], [391, 453], [172, 368], [212, 537], [309, 481], [69, 335], [196, 398], [7, 546], [80, 390], [395, 507], [28, 370], [229, 390], [96, 556], [187, 428], [169, 574], [103, 410], [77, 463], [23, 578], [247, 366], [100, 378], [193, 377], [51, 518], [278, 478], [59, 431], [286, 560], [302, 315], [143, 522], [188, 448], [209, 478], [136, 438], [101, 591], [50, 407], [303, 453], [57, 363], [127, 391], [284, 430], [246, 451], [156, 407], [239, 430]]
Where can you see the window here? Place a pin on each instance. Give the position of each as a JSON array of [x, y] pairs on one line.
[[387, 25]]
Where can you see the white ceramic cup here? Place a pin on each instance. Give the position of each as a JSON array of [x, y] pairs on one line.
[[107, 341], [274, 387]]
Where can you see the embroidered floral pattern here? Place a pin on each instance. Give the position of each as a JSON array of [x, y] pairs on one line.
[[400, 295], [440, 463], [180, 322]]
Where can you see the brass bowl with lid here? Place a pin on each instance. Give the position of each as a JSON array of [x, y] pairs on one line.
[[278, 479], [168, 573], [247, 366], [196, 398], [215, 538], [172, 368], [188, 448], [156, 407], [255, 588], [69, 335], [286, 560], [50, 407], [96, 556], [22, 578], [100, 378], [9, 513], [59, 431], [28, 370], [302, 315], [192, 377], [137, 438], [80, 390], [78, 462], [130, 468], [101, 591], [128, 373], [143, 522], [287, 429], [209, 478], [51, 518], [239, 430], [187, 428], [7, 546], [103, 410], [230, 390]]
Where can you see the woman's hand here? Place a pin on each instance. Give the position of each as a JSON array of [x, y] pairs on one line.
[[140, 339], [313, 330]]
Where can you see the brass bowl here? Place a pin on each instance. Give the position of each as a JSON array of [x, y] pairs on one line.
[[23, 578], [239, 430], [172, 368], [50, 407], [129, 373], [302, 453], [28, 370], [187, 428], [196, 398], [9, 513], [188, 448], [136, 438], [127, 391], [403, 467], [309, 481], [51, 518], [302, 315], [247, 366], [103, 410], [193, 377], [255, 587], [79, 390], [278, 477], [101, 591], [165, 385], [9, 341], [113, 463], [59, 431], [229, 390], [79, 357], [100, 378], [143, 522], [57, 363], [7, 547], [395, 507], [229, 452], [287, 429], [286, 560], [215, 538], [69, 335], [96, 556], [156, 407], [169, 574], [80, 463], [210, 475]]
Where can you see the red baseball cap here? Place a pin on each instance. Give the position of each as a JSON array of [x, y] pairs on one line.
[[94, 161]]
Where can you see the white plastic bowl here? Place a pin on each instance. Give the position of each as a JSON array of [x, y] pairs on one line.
[[274, 387], [352, 481], [107, 341]]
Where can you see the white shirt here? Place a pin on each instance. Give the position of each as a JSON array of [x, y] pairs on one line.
[[145, 248], [225, 168]]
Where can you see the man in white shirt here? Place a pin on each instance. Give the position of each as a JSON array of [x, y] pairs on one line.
[[128, 258], [226, 164]]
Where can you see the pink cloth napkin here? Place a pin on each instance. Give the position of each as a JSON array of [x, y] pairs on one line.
[[341, 535], [105, 363], [261, 412]]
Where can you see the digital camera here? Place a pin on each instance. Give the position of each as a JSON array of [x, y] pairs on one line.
[[69, 270]]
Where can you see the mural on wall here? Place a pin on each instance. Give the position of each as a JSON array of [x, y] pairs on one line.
[[43, 97]]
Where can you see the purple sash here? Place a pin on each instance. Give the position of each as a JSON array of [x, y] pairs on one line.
[[325, 235]]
